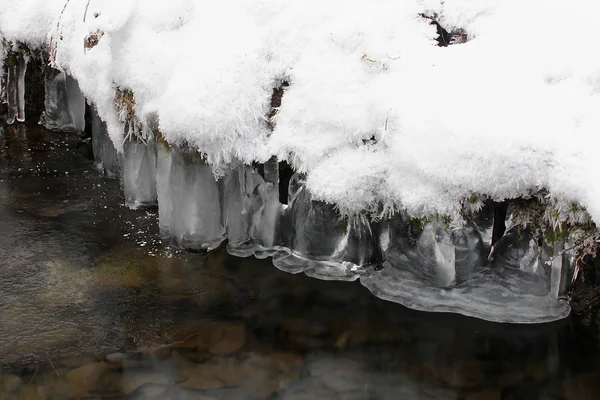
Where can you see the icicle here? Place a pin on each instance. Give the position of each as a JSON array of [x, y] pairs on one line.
[[12, 96], [105, 154], [64, 102], [196, 216], [321, 243], [22, 62], [139, 174], [164, 159]]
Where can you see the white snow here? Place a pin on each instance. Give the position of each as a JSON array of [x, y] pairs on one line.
[[375, 112]]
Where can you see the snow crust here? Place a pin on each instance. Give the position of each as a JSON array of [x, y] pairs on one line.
[[375, 113]]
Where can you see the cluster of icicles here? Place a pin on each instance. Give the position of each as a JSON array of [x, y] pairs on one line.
[[430, 267]]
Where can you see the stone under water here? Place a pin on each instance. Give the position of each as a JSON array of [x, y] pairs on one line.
[[64, 103]]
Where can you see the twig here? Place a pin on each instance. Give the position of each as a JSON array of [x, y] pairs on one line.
[[86, 10], [37, 367], [575, 246], [55, 371]]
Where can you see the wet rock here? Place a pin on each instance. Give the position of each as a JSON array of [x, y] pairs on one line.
[[510, 379], [308, 390], [537, 371], [218, 338], [149, 391], [271, 371], [582, 387], [161, 353], [75, 362], [32, 392], [86, 378], [135, 379], [342, 375], [305, 326], [492, 394], [464, 374], [9, 383]]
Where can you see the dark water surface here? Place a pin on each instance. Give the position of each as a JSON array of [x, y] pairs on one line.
[[92, 306]]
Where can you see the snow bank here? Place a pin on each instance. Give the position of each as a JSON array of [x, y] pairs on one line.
[[376, 114]]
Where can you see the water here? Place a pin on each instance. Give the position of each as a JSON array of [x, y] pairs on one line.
[[93, 305]]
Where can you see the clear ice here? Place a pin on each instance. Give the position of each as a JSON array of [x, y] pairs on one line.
[[319, 242], [139, 173], [105, 154], [15, 89], [521, 283], [190, 199], [64, 102], [424, 266]]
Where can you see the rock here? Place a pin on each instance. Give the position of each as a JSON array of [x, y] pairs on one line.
[[305, 326], [218, 338], [133, 380], [510, 379], [75, 362], [268, 373], [492, 394], [31, 392], [537, 371], [464, 374], [149, 391], [9, 383], [162, 353], [582, 387], [86, 378]]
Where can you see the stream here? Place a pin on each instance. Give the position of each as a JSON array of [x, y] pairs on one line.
[[93, 305]]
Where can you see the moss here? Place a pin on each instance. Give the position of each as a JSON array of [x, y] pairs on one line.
[[419, 224]]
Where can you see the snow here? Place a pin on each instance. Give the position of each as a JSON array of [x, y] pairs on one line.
[[377, 116]]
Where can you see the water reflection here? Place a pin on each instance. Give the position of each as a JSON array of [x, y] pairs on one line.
[[93, 306]]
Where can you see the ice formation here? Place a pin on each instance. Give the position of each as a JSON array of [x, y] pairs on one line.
[[190, 202], [105, 154], [15, 88], [376, 118], [64, 103], [139, 173]]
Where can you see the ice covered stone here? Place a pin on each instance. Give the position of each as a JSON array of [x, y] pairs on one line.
[[518, 286], [105, 154], [64, 102], [320, 242], [139, 173], [196, 221]]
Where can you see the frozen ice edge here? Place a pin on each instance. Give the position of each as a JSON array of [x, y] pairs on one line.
[[539, 309]]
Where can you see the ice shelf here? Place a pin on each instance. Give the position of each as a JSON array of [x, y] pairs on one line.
[[425, 266]]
